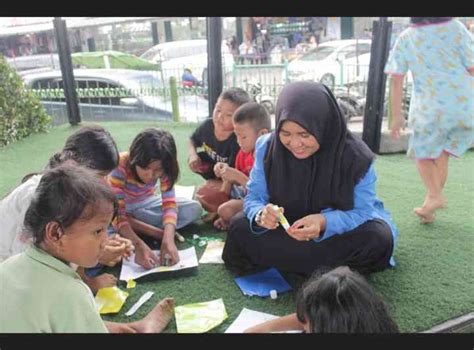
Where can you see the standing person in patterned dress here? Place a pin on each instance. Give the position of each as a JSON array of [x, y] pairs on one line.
[[439, 52]]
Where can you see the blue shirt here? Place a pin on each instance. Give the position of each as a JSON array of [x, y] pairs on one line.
[[366, 204]]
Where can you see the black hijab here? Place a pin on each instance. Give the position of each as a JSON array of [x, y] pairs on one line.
[[326, 178]]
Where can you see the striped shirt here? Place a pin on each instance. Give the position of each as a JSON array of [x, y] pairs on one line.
[[130, 191]]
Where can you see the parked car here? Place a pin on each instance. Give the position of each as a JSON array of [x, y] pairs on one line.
[[327, 62], [114, 94], [174, 56]]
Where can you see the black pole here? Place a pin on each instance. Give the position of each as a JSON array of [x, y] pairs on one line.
[[373, 115], [154, 33], [239, 31], [91, 44], [168, 31], [64, 53], [214, 60]]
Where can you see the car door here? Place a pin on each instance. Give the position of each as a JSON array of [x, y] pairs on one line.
[[102, 100]]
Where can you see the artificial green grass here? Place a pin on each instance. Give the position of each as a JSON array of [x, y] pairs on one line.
[[431, 283]]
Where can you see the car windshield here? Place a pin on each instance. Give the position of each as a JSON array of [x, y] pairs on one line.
[[319, 53], [150, 54], [142, 84]]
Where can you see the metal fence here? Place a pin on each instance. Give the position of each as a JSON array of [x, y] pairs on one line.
[[153, 101]]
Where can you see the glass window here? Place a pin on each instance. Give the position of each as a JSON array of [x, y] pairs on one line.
[[319, 53]]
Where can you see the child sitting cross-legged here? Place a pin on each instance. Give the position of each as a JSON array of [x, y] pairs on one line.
[[251, 120]]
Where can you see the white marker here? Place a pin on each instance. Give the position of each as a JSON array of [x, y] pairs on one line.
[[143, 299], [179, 237], [273, 294]]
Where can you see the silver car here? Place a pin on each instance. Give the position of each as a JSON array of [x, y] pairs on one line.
[[115, 94]]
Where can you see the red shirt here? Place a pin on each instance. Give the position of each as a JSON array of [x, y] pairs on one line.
[[244, 162]]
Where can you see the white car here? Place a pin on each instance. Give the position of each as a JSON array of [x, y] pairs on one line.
[[174, 56], [327, 62]]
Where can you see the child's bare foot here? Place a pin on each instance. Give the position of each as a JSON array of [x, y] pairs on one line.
[[220, 224], [102, 281], [157, 319], [209, 217], [425, 217], [427, 211]]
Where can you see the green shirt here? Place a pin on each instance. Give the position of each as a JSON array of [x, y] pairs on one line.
[[41, 294]]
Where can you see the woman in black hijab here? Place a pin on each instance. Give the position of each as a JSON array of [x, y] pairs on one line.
[[323, 179]]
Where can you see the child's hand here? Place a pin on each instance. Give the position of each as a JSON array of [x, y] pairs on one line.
[[220, 168], [145, 257], [169, 251], [194, 163], [307, 228], [229, 174], [112, 253]]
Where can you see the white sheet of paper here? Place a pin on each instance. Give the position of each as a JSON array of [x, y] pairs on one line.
[[213, 253], [143, 299], [248, 318], [130, 270], [184, 191]]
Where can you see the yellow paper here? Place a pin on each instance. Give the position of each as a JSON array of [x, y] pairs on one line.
[[131, 284], [200, 317], [110, 300]]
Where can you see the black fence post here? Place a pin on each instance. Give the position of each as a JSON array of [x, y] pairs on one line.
[[154, 33], [168, 31], [65, 62], [239, 31], [373, 115], [214, 60]]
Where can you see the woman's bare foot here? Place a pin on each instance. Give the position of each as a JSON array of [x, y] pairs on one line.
[[221, 224], [209, 218], [157, 319], [102, 281]]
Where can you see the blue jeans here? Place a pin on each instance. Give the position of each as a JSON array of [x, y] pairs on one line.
[[149, 211]]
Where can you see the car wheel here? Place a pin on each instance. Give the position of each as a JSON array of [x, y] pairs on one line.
[[328, 80], [347, 109]]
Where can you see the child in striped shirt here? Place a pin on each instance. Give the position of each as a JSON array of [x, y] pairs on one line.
[[152, 157]]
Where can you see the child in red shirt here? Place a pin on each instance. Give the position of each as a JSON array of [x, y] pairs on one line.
[[251, 120]]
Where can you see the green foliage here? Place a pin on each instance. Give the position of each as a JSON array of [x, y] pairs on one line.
[[21, 112]]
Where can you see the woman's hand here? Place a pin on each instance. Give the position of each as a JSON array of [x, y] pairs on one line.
[[269, 217], [307, 228]]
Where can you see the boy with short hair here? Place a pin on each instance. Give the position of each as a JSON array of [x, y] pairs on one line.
[[219, 143], [250, 121]]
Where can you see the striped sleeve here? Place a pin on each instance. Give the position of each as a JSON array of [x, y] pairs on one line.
[[169, 206], [116, 180]]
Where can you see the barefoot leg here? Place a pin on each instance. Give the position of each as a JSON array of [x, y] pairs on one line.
[[157, 319], [434, 199]]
